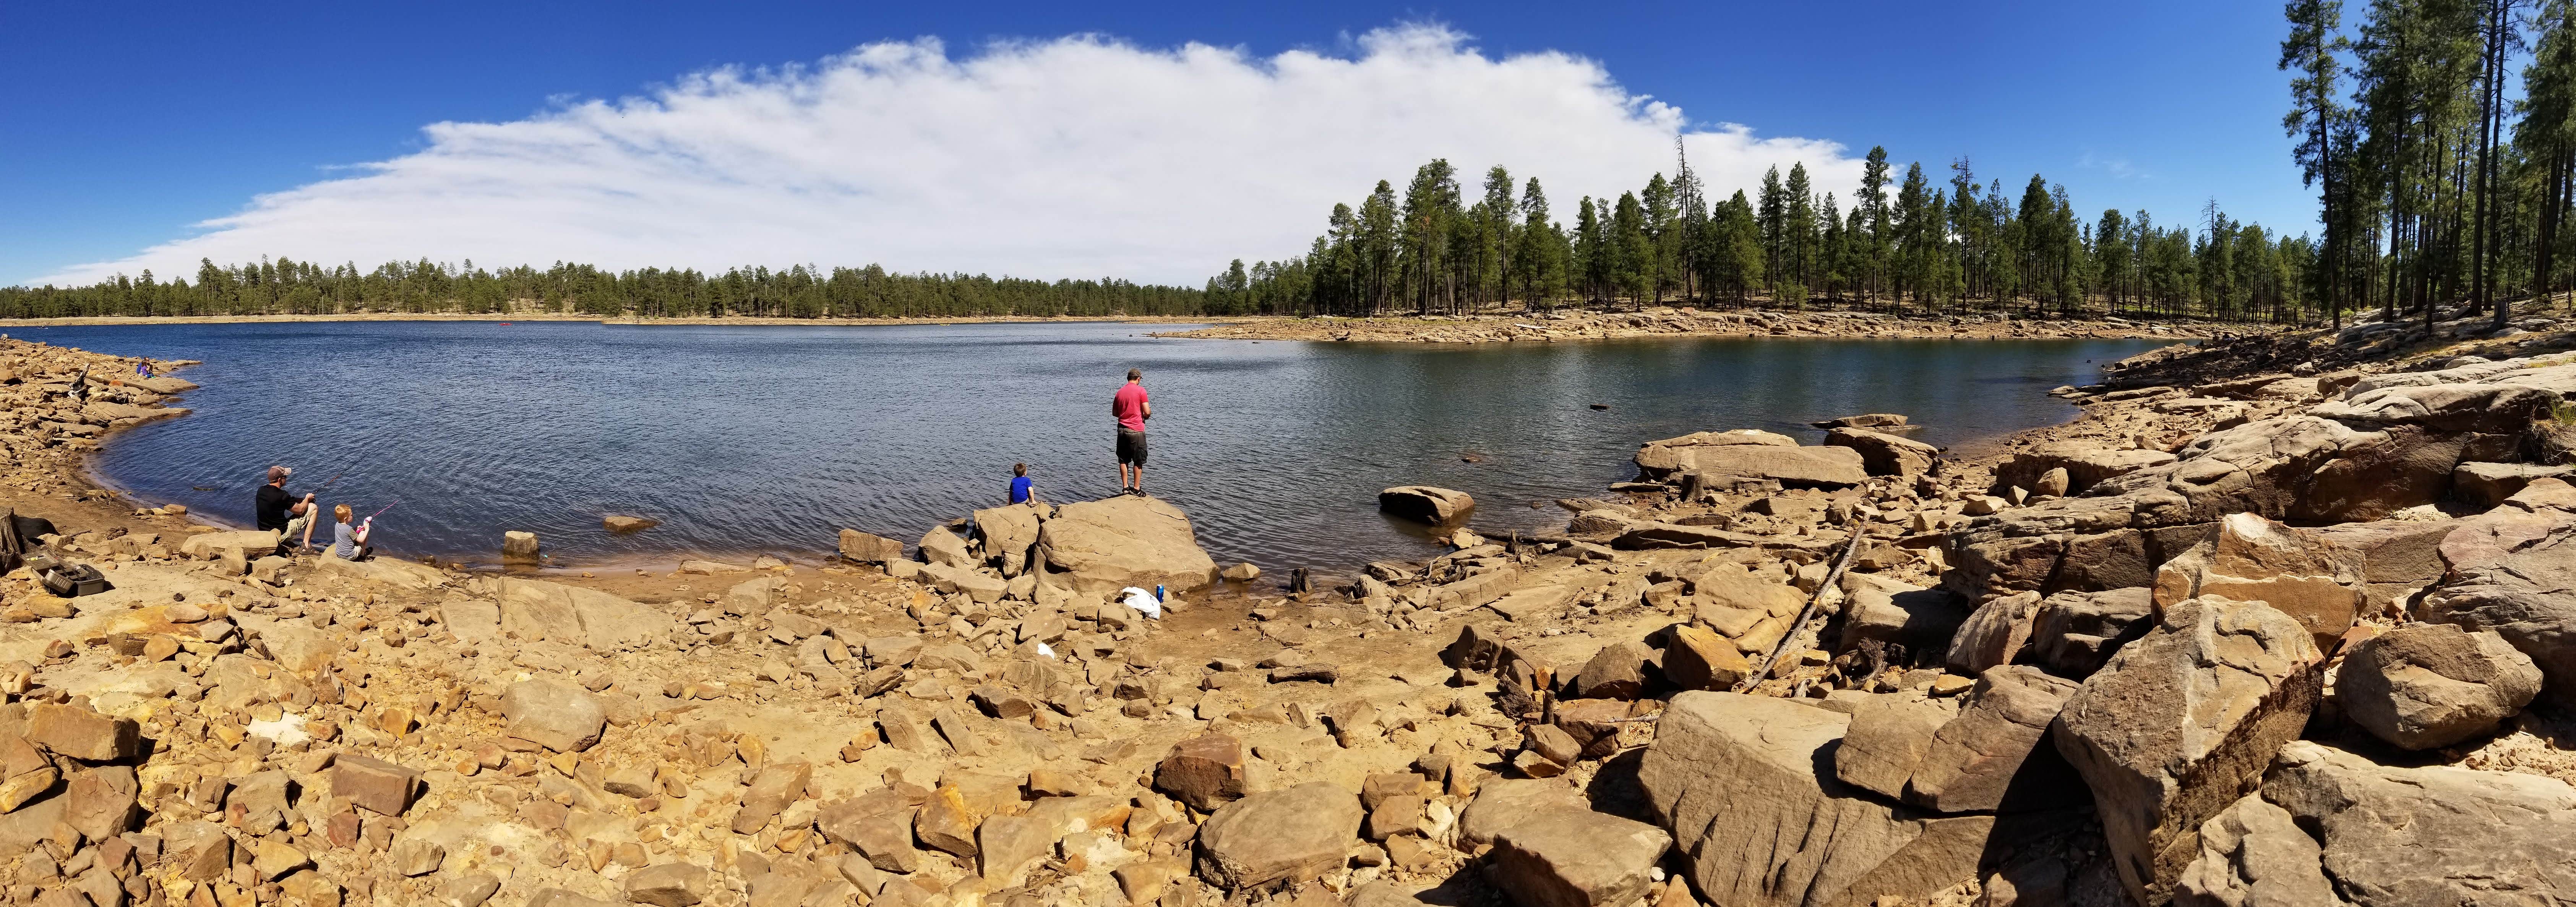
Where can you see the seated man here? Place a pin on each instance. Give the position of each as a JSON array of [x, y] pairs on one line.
[[278, 511]]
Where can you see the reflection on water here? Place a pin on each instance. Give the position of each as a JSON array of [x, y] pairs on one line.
[[773, 438]]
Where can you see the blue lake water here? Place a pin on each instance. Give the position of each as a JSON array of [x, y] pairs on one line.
[[770, 439]]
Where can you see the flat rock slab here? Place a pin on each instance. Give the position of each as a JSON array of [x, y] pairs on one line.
[[2434, 835], [1125, 541], [1293, 833], [1566, 857]]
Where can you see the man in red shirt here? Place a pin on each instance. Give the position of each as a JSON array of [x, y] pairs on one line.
[[1132, 409]]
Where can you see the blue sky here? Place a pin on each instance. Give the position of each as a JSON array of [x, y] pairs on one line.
[[126, 124]]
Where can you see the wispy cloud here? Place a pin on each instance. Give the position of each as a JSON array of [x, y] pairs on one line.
[[2117, 167], [1079, 156]]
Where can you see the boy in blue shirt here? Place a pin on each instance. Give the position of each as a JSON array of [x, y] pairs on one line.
[[1022, 490]]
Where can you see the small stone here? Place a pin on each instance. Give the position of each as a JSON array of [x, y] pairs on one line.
[[668, 885], [624, 524], [1045, 782], [770, 793], [1699, 659], [418, 856], [272, 859], [944, 823], [1204, 771], [554, 714], [373, 784]]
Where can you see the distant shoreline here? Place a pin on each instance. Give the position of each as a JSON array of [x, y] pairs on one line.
[[1484, 327], [116, 320]]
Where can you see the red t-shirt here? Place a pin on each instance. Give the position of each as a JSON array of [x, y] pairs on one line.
[[1129, 407]]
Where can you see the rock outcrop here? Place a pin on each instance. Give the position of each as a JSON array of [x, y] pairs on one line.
[[1736, 780], [2512, 568], [2392, 836], [2183, 722], [1099, 546]]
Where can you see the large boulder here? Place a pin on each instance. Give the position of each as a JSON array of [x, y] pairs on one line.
[[1994, 634], [867, 548], [1894, 612], [2430, 685], [1745, 786], [1425, 504], [2498, 408], [1887, 738], [1131, 540], [945, 548], [2433, 835], [2484, 485], [1500, 803], [1299, 832], [1885, 454], [2183, 722], [1991, 756], [2074, 633], [1673, 456], [1010, 536]]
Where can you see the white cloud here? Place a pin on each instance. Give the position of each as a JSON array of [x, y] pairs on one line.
[[1079, 156]]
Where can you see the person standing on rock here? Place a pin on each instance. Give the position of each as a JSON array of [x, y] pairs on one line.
[[279, 511], [1131, 408]]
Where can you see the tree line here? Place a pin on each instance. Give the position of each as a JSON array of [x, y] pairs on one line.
[[2436, 188], [283, 286], [1900, 244]]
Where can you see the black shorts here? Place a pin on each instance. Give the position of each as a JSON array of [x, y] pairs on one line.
[[1131, 447]]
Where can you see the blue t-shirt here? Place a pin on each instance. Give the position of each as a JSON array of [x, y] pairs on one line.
[[1020, 489]]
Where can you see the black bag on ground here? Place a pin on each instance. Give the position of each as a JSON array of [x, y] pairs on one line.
[[31, 528]]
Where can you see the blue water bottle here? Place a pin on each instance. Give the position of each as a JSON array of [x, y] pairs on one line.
[[1158, 592]]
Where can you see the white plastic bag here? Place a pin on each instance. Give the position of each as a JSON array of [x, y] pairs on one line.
[[1142, 601]]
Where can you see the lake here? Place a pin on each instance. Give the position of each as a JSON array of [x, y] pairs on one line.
[[771, 439]]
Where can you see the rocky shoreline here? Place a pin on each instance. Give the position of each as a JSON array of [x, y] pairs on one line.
[[1667, 321], [2277, 619]]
